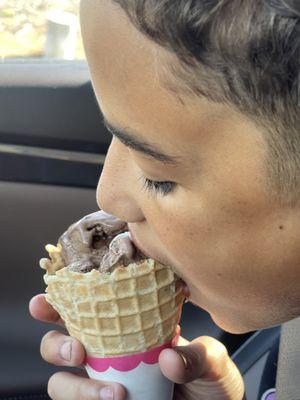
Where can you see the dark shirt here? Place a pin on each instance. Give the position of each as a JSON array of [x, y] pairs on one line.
[[268, 381]]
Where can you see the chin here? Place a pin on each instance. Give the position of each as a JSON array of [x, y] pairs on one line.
[[231, 327]]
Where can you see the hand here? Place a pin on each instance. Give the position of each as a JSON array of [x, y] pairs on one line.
[[202, 369], [59, 348]]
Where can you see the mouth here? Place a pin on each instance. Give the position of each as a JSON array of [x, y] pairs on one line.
[[140, 247], [137, 243]]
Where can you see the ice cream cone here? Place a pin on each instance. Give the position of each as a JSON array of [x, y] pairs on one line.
[[124, 319], [131, 310]]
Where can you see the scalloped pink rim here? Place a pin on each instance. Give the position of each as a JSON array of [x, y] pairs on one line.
[[129, 362]]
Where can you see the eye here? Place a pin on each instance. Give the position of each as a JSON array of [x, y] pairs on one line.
[[163, 188]]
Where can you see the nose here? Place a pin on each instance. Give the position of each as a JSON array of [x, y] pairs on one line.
[[116, 192]]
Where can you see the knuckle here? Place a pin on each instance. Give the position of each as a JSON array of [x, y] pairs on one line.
[[217, 357], [219, 353], [215, 348]]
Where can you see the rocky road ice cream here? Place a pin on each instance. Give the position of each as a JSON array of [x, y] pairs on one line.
[[98, 241]]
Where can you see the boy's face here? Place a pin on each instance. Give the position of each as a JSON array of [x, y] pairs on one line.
[[218, 226]]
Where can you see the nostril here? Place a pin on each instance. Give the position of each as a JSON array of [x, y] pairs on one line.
[[122, 206]]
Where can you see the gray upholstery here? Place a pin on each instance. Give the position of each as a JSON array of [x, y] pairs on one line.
[[288, 372]]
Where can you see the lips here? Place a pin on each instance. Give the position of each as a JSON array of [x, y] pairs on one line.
[[143, 249], [137, 243], [139, 246]]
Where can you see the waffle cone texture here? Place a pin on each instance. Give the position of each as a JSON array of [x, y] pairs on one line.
[[131, 310]]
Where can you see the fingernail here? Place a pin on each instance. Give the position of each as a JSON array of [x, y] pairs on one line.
[[184, 358], [106, 393], [65, 350]]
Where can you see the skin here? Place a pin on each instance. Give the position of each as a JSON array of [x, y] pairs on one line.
[[220, 227]]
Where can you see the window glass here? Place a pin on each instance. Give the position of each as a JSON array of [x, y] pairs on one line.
[[39, 29]]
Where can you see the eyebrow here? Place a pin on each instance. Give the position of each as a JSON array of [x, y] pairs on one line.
[[131, 141]]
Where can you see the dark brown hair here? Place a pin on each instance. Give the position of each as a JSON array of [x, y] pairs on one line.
[[245, 53]]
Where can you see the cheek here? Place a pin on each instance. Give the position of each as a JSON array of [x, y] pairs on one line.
[[206, 244], [175, 231]]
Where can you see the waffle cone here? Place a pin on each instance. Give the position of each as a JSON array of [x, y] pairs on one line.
[[131, 310]]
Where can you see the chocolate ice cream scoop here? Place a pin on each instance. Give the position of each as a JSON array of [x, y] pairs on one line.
[[98, 241]]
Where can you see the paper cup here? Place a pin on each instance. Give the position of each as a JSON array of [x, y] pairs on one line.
[[139, 373]]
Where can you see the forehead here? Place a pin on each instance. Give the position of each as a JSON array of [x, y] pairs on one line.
[[128, 72]]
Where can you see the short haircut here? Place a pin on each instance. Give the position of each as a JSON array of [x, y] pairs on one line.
[[245, 53]]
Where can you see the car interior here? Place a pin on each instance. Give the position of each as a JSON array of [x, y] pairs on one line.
[[52, 149]]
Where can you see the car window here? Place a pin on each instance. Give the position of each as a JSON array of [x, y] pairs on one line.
[[40, 30]]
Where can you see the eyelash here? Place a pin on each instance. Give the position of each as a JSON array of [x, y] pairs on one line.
[[163, 188]]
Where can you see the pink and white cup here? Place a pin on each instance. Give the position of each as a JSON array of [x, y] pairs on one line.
[[140, 373]]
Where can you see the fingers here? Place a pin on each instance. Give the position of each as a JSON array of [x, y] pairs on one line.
[[64, 385], [56, 348], [59, 349], [40, 309], [204, 358], [182, 341]]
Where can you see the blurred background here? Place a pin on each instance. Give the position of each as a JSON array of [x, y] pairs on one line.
[[38, 29]]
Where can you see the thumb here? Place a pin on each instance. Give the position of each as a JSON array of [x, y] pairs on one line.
[[204, 357], [206, 361]]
